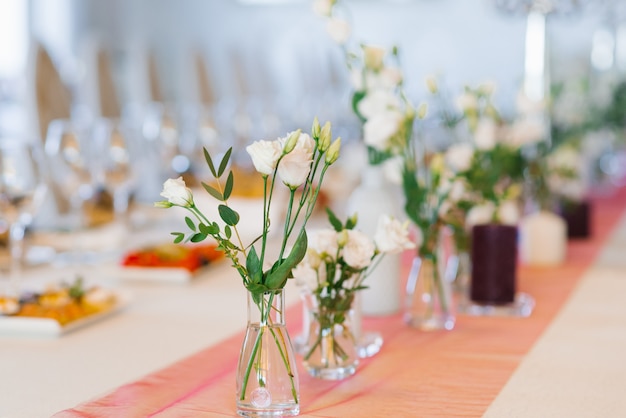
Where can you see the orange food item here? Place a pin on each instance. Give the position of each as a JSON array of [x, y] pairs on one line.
[[190, 257]]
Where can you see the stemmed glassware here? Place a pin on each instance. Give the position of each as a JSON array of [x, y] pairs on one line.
[[70, 156], [21, 193], [114, 150]]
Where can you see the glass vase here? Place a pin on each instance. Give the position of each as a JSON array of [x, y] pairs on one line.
[[267, 379], [429, 302], [331, 352], [461, 272]]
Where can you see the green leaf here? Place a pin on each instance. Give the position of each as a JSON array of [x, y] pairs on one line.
[[190, 223], [356, 98], [178, 237], [209, 161], [229, 216], [198, 237], [228, 231], [224, 162], [334, 220], [213, 192], [253, 265], [282, 268], [228, 187]]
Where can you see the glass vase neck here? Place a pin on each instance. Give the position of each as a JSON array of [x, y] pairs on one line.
[[266, 308]]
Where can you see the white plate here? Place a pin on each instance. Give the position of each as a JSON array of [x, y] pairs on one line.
[[172, 275], [48, 327]]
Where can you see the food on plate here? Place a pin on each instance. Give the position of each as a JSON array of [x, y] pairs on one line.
[[66, 303], [189, 257], [8, 305]]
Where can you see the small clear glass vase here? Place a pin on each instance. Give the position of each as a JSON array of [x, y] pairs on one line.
[[460, 269], [267, 379], [429, 301], [331, 352]]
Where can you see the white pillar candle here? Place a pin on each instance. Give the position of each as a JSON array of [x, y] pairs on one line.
[[543, 239], [371, 199]]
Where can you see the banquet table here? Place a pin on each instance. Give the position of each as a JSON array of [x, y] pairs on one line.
[[172, 351]]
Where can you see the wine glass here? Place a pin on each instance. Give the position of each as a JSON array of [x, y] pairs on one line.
[[21, 193], [69, 152], [114, 152]]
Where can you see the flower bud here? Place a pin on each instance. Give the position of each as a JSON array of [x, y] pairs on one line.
[[333, 151], [291, 141], [313, 258], [163, 204], [324, 137], [342, 238], [315, 130], [431, 84], [422, 110]]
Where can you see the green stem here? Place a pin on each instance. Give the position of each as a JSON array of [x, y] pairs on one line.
[[250, 362], [292, 194]]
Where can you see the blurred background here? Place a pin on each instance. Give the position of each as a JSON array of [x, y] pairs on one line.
[[185, 73]]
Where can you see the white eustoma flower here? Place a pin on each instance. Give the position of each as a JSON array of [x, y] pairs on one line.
[[324, 242], [378, 101], [459, 156], [305, 276], [392, 169], [323, 7], [457, 190], [485, 136], [339, 30], [264, 155], [480, 214], [378, 130], [392, 236], [508, 213], [373, 57], [525, 131], [466, 102], [386, 79], [294, 167], [177, 193], [359, 250]]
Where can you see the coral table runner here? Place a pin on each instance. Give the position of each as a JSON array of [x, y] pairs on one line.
[[456, 373]]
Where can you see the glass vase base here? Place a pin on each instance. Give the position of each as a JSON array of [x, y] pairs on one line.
[[273, 411], [334, 373], [369, 344], [521, 307], [435, 323]]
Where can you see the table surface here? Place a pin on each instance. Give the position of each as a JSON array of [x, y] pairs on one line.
[[575, 367]]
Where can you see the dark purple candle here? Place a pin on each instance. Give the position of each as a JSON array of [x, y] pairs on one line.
[[577, 217], [494, 264]]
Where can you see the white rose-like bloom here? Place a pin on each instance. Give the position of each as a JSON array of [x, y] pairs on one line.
[[480, 214], [378, 130], [339, 30], [466, 102], [324, 242], [508, 213], [323, 7], [485, 136], [373, 57], [294, 167], [177, 193], [526, 131], [305, 276], [264, 155], [457, 190], [376, 102], [565, 157], [392, 236], [392, 169], [386, 79], [359, 250], [459, 156]]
